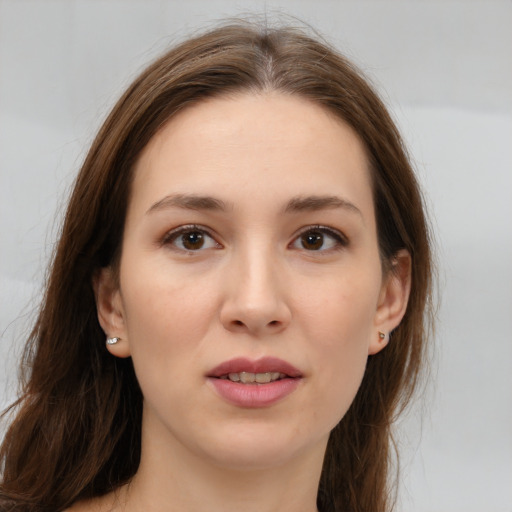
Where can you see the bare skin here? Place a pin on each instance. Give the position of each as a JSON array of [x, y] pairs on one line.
[[278, 258]]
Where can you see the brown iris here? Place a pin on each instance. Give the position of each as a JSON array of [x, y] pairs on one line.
[[312, 240], [193, 240]]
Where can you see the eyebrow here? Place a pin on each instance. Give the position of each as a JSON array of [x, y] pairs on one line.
[[296, 204], [315, 203], [189, 202]]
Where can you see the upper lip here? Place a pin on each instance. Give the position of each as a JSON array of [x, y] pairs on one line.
[[263, 365]]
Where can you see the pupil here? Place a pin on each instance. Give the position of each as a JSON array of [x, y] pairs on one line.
[[193, 240], [312, 241]]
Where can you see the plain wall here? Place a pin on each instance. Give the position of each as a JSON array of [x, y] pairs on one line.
[[445, 69]]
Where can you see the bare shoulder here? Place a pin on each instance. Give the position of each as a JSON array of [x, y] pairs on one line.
[[84, 506], [107, 503]]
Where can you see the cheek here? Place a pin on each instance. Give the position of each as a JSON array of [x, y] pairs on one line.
[[342, 365], [340, 327], [166, 331], [166, 318], [339, 313]]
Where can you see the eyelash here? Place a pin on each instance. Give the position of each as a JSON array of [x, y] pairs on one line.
[[173, 235], [340, 240]]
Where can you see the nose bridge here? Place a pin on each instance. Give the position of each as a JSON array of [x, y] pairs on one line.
[[255, 301], [258, 276]]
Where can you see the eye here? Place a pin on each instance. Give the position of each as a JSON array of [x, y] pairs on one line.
[[319, 238], [190, 239]]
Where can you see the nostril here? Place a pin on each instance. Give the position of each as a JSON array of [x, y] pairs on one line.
[[273, 323], [239, 323]]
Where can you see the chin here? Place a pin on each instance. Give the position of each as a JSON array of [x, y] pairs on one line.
[[255, 458], [253, 449]]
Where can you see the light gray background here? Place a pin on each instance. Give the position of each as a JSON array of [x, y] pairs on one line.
[[445, 69]]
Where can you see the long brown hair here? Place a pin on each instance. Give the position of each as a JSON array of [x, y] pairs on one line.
[[76, 432]]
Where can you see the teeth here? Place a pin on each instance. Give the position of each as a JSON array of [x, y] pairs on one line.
[[262, 378], [254, 378], [246, 377]]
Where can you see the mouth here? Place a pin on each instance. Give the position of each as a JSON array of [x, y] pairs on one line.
[[254, 378], [253, 384], [260, 371]]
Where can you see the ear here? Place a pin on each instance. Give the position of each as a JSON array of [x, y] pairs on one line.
[[109, 306], [393, 299]]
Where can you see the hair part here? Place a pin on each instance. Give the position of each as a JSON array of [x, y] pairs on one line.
[[77, 429]]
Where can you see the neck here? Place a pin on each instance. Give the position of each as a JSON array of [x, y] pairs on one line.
[[171, 478]]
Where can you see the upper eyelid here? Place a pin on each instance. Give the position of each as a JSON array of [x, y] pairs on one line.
[[172, 233], [324, 229], [169, 235]]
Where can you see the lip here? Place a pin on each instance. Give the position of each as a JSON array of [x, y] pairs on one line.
[[254, 395], [263, 365]]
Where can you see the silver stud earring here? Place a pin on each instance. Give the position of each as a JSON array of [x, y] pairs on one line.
[[112, 341], [382, 336]]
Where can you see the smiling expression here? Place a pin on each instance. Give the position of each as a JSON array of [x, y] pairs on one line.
[[251, 287]]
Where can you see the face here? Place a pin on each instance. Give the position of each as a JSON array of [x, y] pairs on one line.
[[251, 289]]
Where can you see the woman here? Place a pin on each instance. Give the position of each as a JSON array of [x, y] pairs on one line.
[[236, 308]]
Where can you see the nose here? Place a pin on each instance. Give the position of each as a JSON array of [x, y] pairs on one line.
[[255, 301]]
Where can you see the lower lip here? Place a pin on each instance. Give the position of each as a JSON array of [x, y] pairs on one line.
[[254, 395]]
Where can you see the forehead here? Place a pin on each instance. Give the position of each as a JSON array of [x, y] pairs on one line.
[[239, 147]]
